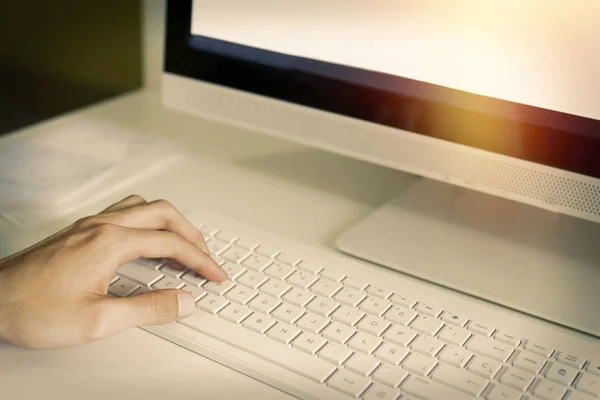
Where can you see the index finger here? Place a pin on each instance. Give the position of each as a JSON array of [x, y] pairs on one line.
[[158, 214], [128, 244]]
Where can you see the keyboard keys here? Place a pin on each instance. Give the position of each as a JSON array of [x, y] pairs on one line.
[[459, 379], [362, 364], [258, 322], [263, 347], [357, 284], [218, 288], [312, 323], [275, 288], [427, 345], [426, 325], [400, 315], [302, 279], [529, 362], [266, 251], [141, 290], [572, 360], [403, 301], [224, 236], [347, 315], [538, 348], [547, 390], [428, 310], [577, 395], [235, 313], [485, 367], [264, 303], [391, 353], [482, 329], [245, 243], [389, 375], [517, 379], [172, 272], [338, 333], [589, 384], [216, 246], [456, 356], [279, 271], [375, 306], [429, 390], [561, 373], [322, 306], [298, 297], [196, 292], [256, 262], [454, 335], [193, 278], [490, 348], [241, 294], [308, 342], [235, 254], [364, 343], [335, 353], [152, 263], [207, 231], [454, 319], [594, 368], [325, 288], [332, 275], [139, 274], [419, 364], [287, 259], [373, 325], [288, 313], [508, 338], [380, 392], [501, 392], [379, 292], [348, 382], [400, 335], [233, 270], [122, 287], [211, 303], [168, 282], [349, 297], [309, 267], [252, 279], [283, 332]]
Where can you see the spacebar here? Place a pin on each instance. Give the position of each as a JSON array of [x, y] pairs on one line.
[[260, 346]]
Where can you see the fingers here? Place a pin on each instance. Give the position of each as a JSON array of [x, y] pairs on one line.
[[154, 215], [130, 244], [130, 201], [158, 307]]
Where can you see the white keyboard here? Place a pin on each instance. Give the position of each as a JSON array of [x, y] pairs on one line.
[[319, 325]]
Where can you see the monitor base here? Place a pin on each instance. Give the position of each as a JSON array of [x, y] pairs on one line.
[[528, 259]]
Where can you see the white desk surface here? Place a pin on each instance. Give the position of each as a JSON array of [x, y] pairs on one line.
[[305, 194]]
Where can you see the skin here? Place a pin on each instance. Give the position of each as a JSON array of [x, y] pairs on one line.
[[54, 293]]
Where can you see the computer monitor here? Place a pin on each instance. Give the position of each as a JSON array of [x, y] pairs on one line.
[[501, 98]]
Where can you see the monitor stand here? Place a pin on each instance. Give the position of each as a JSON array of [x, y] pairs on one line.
[[535, 261]]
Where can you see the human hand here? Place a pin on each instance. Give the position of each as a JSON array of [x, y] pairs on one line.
[[54, 294]]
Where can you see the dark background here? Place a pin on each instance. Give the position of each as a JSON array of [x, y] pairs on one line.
[[60, 55]]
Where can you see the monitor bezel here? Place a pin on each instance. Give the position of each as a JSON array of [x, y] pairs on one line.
[[554, 139]]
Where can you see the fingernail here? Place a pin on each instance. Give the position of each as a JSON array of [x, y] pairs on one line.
[[204, 248], [186, 304]]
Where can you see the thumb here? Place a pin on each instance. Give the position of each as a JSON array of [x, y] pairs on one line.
[[157, 307]]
